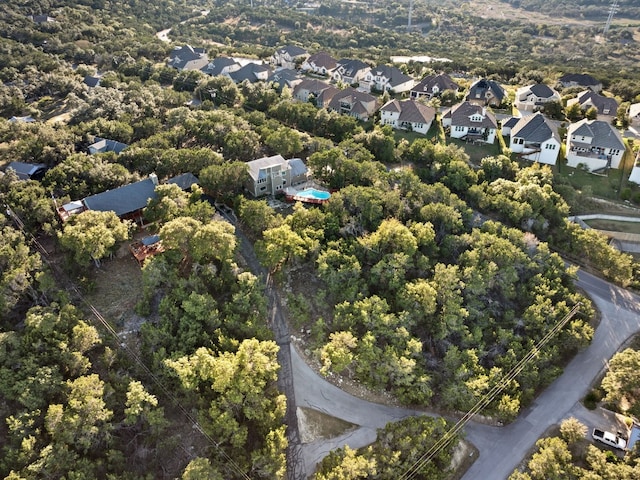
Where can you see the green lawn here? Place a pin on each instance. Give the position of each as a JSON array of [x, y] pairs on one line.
[[476, 152], [603, 186]]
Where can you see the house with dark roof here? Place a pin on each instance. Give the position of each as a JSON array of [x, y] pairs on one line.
[[285, 77], [384, 78], [41, 19], [288, 56], [354, 103], [580, 80], [507, 124], [486, 92], [536, 139], [471, 122], [407, 115], [92, 81], [595, 144], [320, 63], [533, 97], [433, 86], [220, 66], [308, 87], [188, 58], [104, 145], [270, 175], [350, 71], [607, 107], [185, 180], [127, 201], [28, 171], [252, 72]]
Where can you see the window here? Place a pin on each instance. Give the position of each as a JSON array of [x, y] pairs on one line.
[[262, 189]]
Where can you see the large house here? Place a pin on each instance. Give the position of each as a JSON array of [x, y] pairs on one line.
[[285, 77], [408, 115], [252, 72], [607, 107], [221, 66], [486, 92], [28, 171], [433, 86], [350, 71], [320, 63], [580, 80], [384, 78], [535, 138], [188, 58], [288, 56], [595, 144], [104, 145], [320, 91], [533, 97], [635, 171], [634, 114], [351, 102], [270, 175], [469, 121]]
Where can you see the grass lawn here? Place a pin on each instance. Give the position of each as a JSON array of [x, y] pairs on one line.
[[603, 186], [614, 226], [476, 152]]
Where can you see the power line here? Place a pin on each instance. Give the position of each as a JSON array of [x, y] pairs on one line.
[[487, 398]]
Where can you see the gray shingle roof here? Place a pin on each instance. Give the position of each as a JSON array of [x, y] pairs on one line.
[[255, 166], [510, 122], [394, 74], [217, 65], [482, 86], [580, 79], [292, 50], [249, 72], [25, 171], [298, 167], [411, 111], [442, 81], [534, 129], [541, 90], [322, 59], [125, 199], [600, 102], [188, 57], [603, 134], [185, 180], [103, 145], [350, 67], [461, 116]]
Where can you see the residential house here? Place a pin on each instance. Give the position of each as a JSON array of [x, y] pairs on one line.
[[285, 77], [320, 90], [536, 139], [92, 81], [408, 115], [252, 72], [289, 56], [351, 102], [486, 92], [607, 107], [185, 180], [350, 71], [471, 122], [433, 86], [634, 114], [27, 119], [595, 144], [104, 145], [270, 175], [384, 78], [320, 63], [508, 123], [188, 58], [580, 80], [28, 171], [635, 171], [533, 97], [39, 19], [221, 66]]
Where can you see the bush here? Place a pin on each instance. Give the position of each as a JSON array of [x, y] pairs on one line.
[[592, 398], [625, 194]]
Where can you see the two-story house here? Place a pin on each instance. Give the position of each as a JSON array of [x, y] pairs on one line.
[[221, 66], [580, 80], [594, 144], [188, 58], [289, 56], [533, 97], [321, 92], [356, 104], [607, 107], [350, 71], [470, 122], [320, 63], [407, 115], [535, 138], [433, 86], [486, 92], [384, 78], [270, 175], [252, 72]]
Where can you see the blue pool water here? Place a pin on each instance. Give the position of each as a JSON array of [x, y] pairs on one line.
[[313, 193]]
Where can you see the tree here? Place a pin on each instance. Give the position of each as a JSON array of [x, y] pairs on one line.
[[622, 381], [591, 113], [572, 430], [223, 182], [285, 141], [338, 353], [574, 112], [92, 235], [552, 461], [281, 244]]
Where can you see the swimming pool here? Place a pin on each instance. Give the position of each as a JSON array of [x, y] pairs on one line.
[[313, 194]]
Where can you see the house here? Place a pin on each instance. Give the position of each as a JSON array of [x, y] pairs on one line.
[[580, 80], [351, 102], [185, 180], [127, 201], [27, 119], [635, 171], [595, 144], [92, 81], [508, 123], [533, 97], [607, 107], [308, 87], [285, 77], [433, 86], [270, 175], [634, 114], [252, 72], [104, 145], [320, 63], [188, 58], [408, 115], [289, 56], [486, 92], [350, 71], [28, 171], [471, 122], [384, 78], [536, 139], [220, 66], [39, 19]]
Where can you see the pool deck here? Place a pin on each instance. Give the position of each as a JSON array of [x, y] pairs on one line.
[[293, 195]]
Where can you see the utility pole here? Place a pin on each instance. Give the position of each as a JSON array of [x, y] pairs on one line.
[[612, 11]]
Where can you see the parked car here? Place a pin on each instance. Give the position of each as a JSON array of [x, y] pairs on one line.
[[609, 439]]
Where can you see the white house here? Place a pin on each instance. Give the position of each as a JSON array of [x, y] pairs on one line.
[[533, 97], [408, 115], [607, 107], [535, 138], [595, 144], [580, 80], [350, 71], [433, 86], [188, 58], [635, 171], [287, 57], [384, 78], [470, 122], [321, 63], [269, 175]]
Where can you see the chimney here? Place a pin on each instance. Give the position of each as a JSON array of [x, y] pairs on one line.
[[154, 178]]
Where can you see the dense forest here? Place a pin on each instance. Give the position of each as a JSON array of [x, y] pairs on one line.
[[428, 283]]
